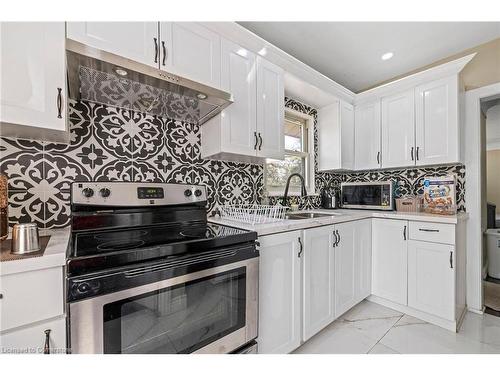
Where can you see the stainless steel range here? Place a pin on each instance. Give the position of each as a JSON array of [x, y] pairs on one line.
[[146, 273]]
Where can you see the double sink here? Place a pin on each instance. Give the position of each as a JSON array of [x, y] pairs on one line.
[[307, 215]]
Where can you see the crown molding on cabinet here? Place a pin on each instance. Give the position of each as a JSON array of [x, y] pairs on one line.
[[407, 83], [293, 66]]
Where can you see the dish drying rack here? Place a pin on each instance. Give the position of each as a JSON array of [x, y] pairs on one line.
[[253, 213]]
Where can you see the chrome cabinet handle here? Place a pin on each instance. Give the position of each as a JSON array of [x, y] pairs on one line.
[[156, 49], [339, 238], [418, 148], [46, 347], [164, 52], [335, 240], [301, 247], [428, 230], [411, 152], [260, 144], [256, 141], [451, 259], [378, 157], [59, 102], [404, 233]]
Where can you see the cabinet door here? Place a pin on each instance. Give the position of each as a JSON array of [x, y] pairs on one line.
[[191, 50], [138, 41], [398, 130], [363, 259], [33, 71], [367, 136], [345, 268], [239, 119], [279, 293], [329, 137], [389, 259], [270, 110], [431, 278], [31, 338], [437, 131], [347, 129], [318, 280]]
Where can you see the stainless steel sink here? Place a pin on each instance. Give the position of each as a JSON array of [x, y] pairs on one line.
[[306, 215]]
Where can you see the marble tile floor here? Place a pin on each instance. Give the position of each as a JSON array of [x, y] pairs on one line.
[[374, 329]]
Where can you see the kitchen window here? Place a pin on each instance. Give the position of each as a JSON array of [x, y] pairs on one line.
[[299, 156]]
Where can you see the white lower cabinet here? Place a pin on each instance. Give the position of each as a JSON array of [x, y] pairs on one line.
[[431, 278], [279, 292], [304, 278], [352, 264], [390, 259], [318, 280], [32, 311], [33, 339]]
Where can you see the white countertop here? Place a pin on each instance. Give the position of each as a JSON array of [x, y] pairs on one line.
[[53, 256], [339, 216]]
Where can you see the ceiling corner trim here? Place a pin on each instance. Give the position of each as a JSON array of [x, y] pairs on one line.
[[444, 70]]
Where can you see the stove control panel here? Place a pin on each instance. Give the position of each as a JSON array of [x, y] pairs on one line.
[[135, 194]]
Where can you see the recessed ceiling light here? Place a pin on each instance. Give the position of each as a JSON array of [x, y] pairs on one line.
[[201, 96], [121, 72], [387, 56]]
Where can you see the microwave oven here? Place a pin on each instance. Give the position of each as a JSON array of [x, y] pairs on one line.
[[367, 195]]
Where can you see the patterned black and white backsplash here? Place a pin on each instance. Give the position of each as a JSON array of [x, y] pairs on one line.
[[109, 144]]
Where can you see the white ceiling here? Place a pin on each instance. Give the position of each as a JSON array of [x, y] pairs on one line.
[[349, 52]]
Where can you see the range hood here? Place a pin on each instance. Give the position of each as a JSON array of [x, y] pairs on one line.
[[102, 77]]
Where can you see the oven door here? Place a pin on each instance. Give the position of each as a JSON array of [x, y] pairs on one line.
[[210, 311]]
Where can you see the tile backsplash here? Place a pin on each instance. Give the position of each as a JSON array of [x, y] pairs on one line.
[[110, 144]]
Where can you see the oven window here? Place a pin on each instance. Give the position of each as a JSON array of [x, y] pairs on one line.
[[177, 319]]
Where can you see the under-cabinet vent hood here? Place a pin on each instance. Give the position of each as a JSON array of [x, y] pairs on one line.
[[102, 77]]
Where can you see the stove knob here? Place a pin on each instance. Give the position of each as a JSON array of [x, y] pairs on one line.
[[105, 192], [197, 192], [83, 288], [188, 193], [88, 192]]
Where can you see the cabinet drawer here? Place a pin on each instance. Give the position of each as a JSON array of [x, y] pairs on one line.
[[31, 340], [432, 232], [29, 297]]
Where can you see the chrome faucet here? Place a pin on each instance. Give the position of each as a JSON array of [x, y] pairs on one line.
[[303, 191]]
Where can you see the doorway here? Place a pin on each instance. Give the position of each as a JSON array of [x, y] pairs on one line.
[[490, 110]]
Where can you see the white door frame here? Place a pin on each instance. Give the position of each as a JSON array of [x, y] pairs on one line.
[[472, 157]]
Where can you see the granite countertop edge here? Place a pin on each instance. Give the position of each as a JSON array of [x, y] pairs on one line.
[[345, 216]]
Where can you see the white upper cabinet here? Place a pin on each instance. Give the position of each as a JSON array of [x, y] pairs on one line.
[[336, 137], [279, 293], [431, 278], [437, 125], [367, 136], [390, 259], [138, 41], [398, 130], [319, 267], [252, 127], [270, 110], [234, 130], [33, 71], [192, 51]]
